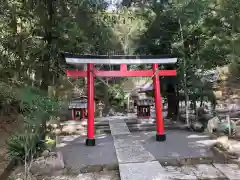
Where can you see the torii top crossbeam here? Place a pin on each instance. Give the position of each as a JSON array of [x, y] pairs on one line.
[[123, 61], [104, 59]]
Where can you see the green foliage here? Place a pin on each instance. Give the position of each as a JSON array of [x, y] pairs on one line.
[[23, 146], [202, 34], [117, 95], [36, 108], [235, 66], [11, 178], [36, 103], [7, 95]]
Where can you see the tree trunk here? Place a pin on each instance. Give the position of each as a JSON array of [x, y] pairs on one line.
[[201, 100], [106, 100], [178, 100], [47, 75], [172, 102]]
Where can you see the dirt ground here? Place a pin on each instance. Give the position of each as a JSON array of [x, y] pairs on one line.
[[108, 175], [18, 173], [8, 126]]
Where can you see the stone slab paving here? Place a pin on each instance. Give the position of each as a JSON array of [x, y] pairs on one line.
[[154, 171], [231, 171], [135, 162], [137, 154], [181, 173], [132, 154], [200, 171], [206, 171], [141, 171], [124, 141], [118, 127], [119, 130]]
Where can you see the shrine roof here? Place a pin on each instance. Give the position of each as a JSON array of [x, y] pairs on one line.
[[147, 87], [77, 104]]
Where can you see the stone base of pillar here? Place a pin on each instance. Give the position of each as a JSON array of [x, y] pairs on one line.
[[90, 142], [161, 137]]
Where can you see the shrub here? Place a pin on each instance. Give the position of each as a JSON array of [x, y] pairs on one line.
[[36, 108]]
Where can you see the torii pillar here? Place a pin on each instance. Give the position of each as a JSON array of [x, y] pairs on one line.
[[90, 84], [160, 136]]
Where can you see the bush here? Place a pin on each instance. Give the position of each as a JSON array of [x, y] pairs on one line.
[[7, 94], [23, 146], [36, 108]]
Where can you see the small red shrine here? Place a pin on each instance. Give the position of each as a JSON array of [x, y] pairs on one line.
[[78, 106], [144, 107], [144, 103]]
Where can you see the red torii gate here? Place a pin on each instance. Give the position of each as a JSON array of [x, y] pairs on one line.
[[90, 60]]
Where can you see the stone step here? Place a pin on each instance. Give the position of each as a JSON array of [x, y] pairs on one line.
[[133, 122], [106, 130], [134, 125], [142, 127], [128, 121], [136, 129]]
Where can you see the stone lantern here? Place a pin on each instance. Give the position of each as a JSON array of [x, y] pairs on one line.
[[100, 108]]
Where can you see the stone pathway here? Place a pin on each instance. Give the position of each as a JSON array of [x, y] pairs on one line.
[[135, 162]]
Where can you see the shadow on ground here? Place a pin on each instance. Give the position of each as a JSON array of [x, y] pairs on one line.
[[78, 157], [179, 145]]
